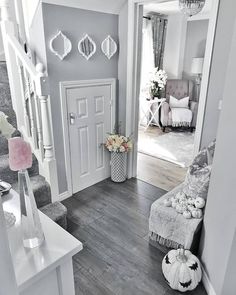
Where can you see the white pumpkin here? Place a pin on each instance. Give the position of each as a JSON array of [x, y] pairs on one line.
[[167, 202], [174, 203], [199, 203], [181, 208], [191, 201], [182, 270], [197, 213], [178, 196], [191, 208], [187, 214]]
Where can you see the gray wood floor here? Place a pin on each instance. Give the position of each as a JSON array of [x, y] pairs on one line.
[[112, 222]]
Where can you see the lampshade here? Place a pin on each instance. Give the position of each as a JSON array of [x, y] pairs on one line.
[[197, 65]]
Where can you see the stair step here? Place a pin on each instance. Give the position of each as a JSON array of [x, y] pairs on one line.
[[11, 176], [41, 189], [3, 72], [57, 212]]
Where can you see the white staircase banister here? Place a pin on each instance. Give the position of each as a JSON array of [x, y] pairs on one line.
[[20, 53]]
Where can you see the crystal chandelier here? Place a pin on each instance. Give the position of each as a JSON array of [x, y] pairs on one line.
[[191, 7]]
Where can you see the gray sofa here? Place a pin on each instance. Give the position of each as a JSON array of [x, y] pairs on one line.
[[179, 89]]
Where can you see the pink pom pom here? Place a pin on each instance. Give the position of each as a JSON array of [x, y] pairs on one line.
[[20, 155]]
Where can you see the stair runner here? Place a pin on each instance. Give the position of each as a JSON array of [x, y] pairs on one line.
[[56, 211]]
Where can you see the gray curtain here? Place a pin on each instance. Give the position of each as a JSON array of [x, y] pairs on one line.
[[159, 26]]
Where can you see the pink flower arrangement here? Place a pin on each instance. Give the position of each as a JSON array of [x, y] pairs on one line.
[[118, 143]]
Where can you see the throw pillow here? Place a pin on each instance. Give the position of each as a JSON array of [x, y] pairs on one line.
[[179, 103], [197, 180]]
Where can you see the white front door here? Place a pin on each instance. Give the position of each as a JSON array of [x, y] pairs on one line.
[[90, 119]]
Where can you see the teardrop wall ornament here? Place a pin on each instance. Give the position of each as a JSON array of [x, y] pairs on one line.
[[109, 47], [87, 47], [60, 45]]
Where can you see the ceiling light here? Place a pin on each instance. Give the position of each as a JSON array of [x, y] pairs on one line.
[[191, 7]]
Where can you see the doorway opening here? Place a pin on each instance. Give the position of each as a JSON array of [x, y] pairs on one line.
[[171, 89]]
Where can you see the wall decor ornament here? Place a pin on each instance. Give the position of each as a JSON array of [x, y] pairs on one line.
[[60, 45], [109, 47], [87, 47]]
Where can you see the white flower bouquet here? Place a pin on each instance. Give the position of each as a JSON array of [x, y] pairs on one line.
[[6, 129], [118, 143], [158, 79]]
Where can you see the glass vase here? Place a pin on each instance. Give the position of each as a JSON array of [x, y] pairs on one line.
[[30, 222]]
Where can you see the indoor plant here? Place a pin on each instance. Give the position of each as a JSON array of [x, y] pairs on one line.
[[158, 79], [118, 145]]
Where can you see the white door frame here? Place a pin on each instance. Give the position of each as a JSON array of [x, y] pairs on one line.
[[64, 86], [132, 101]]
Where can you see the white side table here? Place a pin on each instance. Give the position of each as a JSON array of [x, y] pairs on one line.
[[149, 110], [47, 269]]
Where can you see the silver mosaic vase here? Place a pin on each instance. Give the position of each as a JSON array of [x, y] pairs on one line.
[[30, 222], [118, 167]]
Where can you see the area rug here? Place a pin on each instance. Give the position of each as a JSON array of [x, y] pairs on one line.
[[175, 146]]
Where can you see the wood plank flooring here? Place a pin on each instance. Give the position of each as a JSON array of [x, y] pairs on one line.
[[160, 173], [112, 222]]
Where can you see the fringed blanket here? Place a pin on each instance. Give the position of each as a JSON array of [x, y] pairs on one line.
[[181, 117], [170, 227]]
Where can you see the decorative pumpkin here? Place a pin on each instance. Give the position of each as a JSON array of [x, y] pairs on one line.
[[191, 201], [182, 270], [187, 214], [167, 202], [179, 195], [181, 208], [199, 203], [173, 199], [174, 203], [191, 208], [197, 213]]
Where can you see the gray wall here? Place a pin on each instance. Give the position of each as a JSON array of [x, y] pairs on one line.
[[218, 70], [220, 216], [195, 45], [122, 73], [37, 38], [75, 23]]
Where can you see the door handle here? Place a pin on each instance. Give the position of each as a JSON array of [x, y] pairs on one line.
[[72, 118]]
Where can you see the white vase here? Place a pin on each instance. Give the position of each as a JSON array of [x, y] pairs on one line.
[[118, 166]]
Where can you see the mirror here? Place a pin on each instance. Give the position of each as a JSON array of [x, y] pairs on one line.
[[87, 47], [109, 47], [60, 45]]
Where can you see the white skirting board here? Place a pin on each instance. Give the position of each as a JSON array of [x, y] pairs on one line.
[[64, 196], [207, 284]]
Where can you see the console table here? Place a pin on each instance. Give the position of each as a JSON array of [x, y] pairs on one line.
[[47, 269]]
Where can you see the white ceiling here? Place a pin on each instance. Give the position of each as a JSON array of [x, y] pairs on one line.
[[172, 7], [107, 6]]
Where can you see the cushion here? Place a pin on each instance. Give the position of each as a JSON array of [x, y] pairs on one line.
[[197, 180], [205, 156], [179, 103]]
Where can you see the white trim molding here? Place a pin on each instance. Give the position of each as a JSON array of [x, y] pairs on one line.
[[106, 6], [64, 86], [207, 284], [132, 103]]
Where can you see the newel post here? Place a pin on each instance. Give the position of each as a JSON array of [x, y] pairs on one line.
[[5, 13], [46, 121]]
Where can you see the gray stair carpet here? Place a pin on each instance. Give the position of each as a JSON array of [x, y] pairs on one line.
[[56, 211]]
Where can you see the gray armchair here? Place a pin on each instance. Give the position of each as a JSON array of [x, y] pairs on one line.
[[179, 89]]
